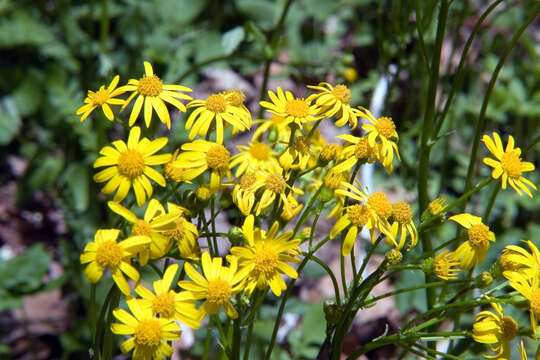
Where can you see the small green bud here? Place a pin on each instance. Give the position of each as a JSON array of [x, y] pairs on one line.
[[235, 235], [484, 280], [428, 265], [327, 194], [497, 271], [394, 256], [332, 311]]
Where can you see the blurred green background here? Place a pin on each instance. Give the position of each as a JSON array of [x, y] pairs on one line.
[[52, 52]]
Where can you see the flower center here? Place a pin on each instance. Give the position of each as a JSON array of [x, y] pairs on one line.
[[363, 151], [100, 97], [218, 291], [176, 234], [246, 181], [216, 103], [218, 157], [141, 228], [131, 164], [260, 151], [478, 235], [358, 214], [236, 97], [509, 328], [342, 93], [380, 204], [506, 263], [535, 302], [174, 173], [402, 212], [150, 85], [163, 304], [386, 127], [301, 144], [511, 163], [276, 183], [109, 254], [297, 108], [266, 261], [330, 152], [333, 180], [148, 333]]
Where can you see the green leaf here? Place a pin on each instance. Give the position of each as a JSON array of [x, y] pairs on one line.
[[10, 120], [77, 178], [9, 301], [29, 94], [232, 38], [46, 173], [23, 274]]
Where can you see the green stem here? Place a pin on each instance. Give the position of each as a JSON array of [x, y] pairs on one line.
[[222, 336], [212, 213], [259, 298], [92, 313], [482, 116], [108, 336], [421, 43], [330, 273], [207, 339]]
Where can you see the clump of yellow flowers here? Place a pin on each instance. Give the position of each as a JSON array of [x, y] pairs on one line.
[[279, 182]]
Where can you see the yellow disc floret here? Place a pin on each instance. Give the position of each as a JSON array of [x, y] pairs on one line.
[[148, 333], [358, 214], [236, 97], [100, 97], [511, 164], [380, 204], [266, 261], [150, 85], [131, 164], [386, 127], [478, 235], [297, 108], [509, 328], [109, 254], [276, 183], [218, 291], [330, 152], [260, 151], [141, 228], [342, 93], [402, 212], [216, 103], [247, 180], [218, 157], [333, 180], [163, 304]]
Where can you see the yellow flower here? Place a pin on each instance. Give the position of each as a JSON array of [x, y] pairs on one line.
[[102, 98], [436, 206], [266, 257], [444, 264], [293, 110], [516, 259], [293, 209], [496, 329], [130, 165], [381, 131], [105, 253], [184, 234], [474, 250], [167, 303], [373, 212], [256, 155], [244, 194], [530, 290], [175, 173], [275, 185], [200, 155], [149, 334], [216, 285], [358, 151], [334, 101], [350, 74], [403, 225], [217, 107], [299, 155], [236, 97], [152, 93], [508, 164], [154, 223], [276, 127]]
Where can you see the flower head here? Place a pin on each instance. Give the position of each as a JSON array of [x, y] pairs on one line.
[[254, 156], [102, 98], [216, 285], [106, 253], [292, 109], [153, 94], [495, 329], [403, 224], [275, 185], [167, 303], [149, 334], [334, 101], [184, 233], [443, 266], [130, 165], [508, 164], [153, 225], [474, 250], [218, 107], [266, 256]]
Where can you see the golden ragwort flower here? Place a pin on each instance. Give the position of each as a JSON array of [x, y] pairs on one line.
[[474, 250], [102, 98]]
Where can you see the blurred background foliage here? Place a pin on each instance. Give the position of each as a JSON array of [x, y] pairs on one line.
[[52, 52]]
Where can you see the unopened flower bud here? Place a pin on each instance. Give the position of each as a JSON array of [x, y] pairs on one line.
[[484, 280], [394, 256], [326, 194], [428, 265], [235, 235], [332, 311]]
